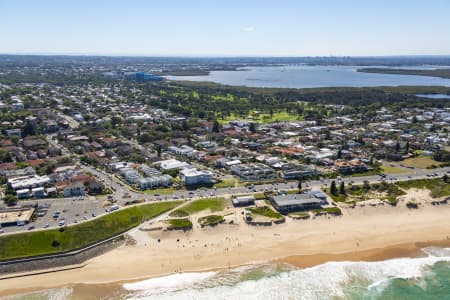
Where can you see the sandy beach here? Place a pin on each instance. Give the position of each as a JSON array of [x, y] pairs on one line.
[[364, 233]]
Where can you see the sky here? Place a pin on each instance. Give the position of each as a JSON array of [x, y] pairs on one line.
[[226, 27]]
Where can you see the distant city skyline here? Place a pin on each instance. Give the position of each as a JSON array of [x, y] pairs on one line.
[[228, 28]]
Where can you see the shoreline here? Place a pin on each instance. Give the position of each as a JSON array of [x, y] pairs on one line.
[[366, 234], [409, 250]]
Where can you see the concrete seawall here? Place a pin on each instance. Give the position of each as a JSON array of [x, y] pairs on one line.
[[60, 259]]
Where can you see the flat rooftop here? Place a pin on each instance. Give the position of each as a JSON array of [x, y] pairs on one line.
[[15, 215], [296, 199]]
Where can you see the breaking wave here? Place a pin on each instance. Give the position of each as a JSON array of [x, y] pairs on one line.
[[332, 280]]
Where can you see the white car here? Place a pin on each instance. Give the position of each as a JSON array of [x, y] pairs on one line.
[[62, 223]]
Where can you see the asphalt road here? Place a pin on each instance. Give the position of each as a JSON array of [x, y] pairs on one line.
[[76, 210]]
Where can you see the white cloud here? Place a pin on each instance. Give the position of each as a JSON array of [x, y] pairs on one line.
[[249, 29]]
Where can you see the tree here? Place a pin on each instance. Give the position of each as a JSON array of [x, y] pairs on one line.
[[216, 126], [339, 154], [5, 156], [300, 182], [333, 189], [397, 147], [407, 147], [252, 127], [28, 129], [366, 186], [342, 188], [442, 156], [10, 200], [185, 126], [159, 150], [445, 178]]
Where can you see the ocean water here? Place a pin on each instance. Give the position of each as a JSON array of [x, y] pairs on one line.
[[313, 77], [420, 278], [403, 278]]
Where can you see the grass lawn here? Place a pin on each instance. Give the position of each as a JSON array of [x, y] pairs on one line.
[[421, 162], [337, 197], [329, 210], [366, 173], [211, 220], [80, 235], [164, 191], [179, 213], [259, 196], [213, 204], [276, 117], [264, 118], [226, 183], [387, 169], [438, 188], [300, 214], [266, 212], [179, 224]]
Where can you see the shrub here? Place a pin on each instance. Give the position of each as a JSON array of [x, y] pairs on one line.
[[411, 204], [211, 220]]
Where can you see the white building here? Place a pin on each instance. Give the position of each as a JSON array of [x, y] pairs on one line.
[[131, 175], [173, 164], [23, 193], [74, 189], [27, 182], [194, 176], [183, 150], [155, 182], [17, 106], [38, 192]]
